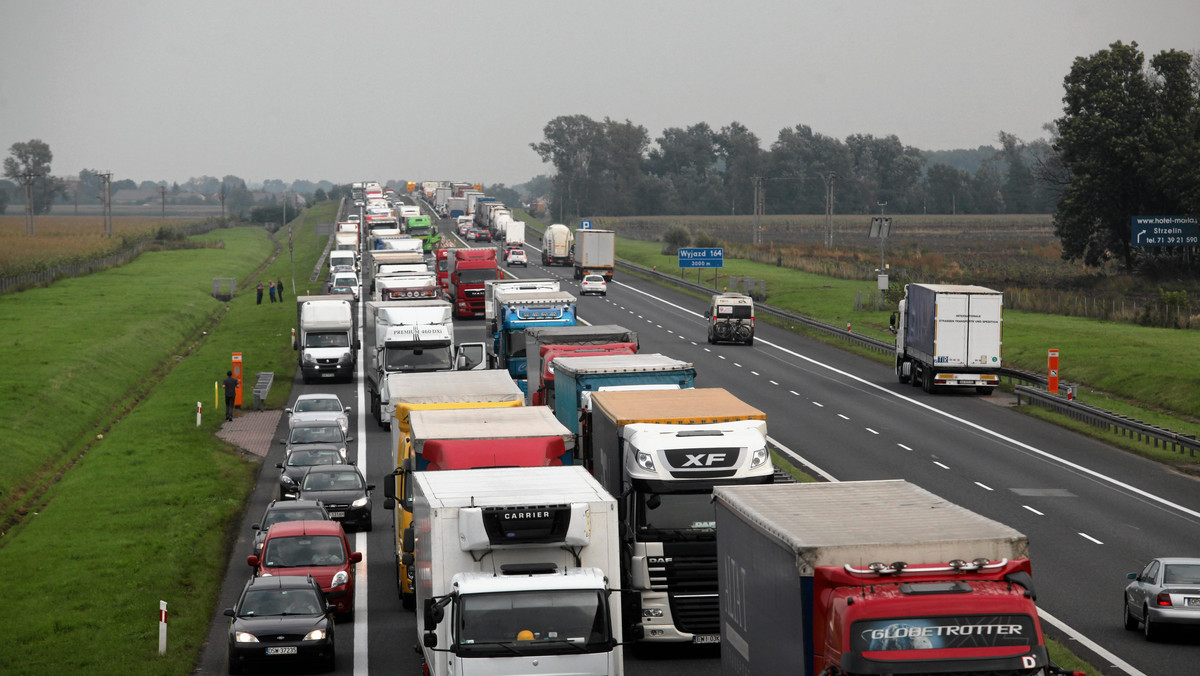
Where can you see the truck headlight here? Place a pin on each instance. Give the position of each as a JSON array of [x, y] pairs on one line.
[[340, 579], [758, 457], [652, 612], [645, 460]]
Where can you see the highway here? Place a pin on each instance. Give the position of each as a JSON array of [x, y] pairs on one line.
[[1092, 513]]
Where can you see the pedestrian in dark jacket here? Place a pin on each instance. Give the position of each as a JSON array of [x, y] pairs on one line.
[[260, 290], [271, 290], [230, 384], [279, 288]]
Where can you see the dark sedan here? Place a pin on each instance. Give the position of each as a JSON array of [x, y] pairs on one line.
[[302, 459], [286, 510], [306, 432], [343, 491], [281, 619]]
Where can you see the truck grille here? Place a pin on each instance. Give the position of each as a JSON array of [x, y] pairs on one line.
[[327, 361], [688, 572]]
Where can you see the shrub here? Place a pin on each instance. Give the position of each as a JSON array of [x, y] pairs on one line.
[[675, 237], [706, 240]]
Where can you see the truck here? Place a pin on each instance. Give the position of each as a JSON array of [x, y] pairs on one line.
[[422, 228], [515, 311], [345, 241], [871, 577], [539, 337], [730, 318], [411, 392], [407, 286], [544, 396], [326, 345], [595, 253], [412, 336], [576, 379], [493, 436], [472, 197], [377, 259], [949, 335], [456, 206], [441, 262], [492, 285], [514, 235], [381, 224], [342, 259], [662, 453], [468, 270], [441, 200], [557, 245], [516, 566]]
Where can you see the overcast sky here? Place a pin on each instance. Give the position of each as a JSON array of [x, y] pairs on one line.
[[347, 91]]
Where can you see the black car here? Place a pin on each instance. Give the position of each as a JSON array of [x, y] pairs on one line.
[[280, 619], [343, 491], [300, 460], [286, 510]]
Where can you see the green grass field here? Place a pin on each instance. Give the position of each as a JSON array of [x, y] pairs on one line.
[[146, 513]]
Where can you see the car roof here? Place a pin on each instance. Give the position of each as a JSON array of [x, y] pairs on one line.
[[306, 527], [317, 469], [281, 582], [1170, 560], [317, 395]]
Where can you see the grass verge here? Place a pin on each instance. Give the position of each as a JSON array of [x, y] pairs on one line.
[[145, 513]]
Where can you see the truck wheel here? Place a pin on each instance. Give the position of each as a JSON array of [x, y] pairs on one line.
[[984, 390], [927, 380], [900, 373], [750, 341], [915, 375]]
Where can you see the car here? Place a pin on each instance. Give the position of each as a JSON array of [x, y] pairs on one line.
[[282, 619], [305, 432], [299, 461], [343, 491], [593, 284], [286, 510], [516, 257], [317, 548], [319, 407], [1166, 591], [344, 291]]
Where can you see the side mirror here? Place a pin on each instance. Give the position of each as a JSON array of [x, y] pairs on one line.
[[349, 440], [1131, 576], [288, 411], [389, 487], [355, 557], [279, 465], [347, 410], [228, 612], [283, 442], [708, 314], [252, 561], [370, 487], [408, 541]]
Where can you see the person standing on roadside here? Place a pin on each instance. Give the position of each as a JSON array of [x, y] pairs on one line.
[[260, 290], [271, 290], [279, 288], [230, 384]]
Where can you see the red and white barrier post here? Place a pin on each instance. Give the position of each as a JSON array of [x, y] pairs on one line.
[[162, 627], [198, 407]]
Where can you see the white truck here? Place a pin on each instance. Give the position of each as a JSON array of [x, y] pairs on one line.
[[377, 259], [325, 342], [515, 572], [492, 285], [557, 245], [949, 335], [413, 336], [595, 253], [406, 286], [514, 235]]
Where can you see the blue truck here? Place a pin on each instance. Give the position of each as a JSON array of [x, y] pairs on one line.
[[514, 312]]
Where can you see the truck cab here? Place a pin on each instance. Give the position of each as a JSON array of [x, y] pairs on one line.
[[730, 319], [517, 311]]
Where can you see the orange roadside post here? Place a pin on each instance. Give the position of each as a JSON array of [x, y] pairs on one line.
[[1052, 366], [237, 373]]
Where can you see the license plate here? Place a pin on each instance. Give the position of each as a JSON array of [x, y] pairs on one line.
[[337, 515], [706, 638], [282, 650], [1192, 601], [328, 375]]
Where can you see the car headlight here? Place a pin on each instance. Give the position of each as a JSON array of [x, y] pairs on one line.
[[760, 456], [285, 479], [340, 579], [344, 423], [361, 502], [245, 637], [315, 635], [645, 460]]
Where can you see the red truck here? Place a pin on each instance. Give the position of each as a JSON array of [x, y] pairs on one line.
[[544, 394], [441, 257], [467, 270], [871, 577]]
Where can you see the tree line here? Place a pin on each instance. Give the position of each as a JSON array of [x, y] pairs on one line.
[[1128, 144]]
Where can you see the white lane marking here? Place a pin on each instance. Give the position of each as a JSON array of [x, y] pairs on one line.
[[720, 356], [1089, 537], [772, 382], [984, 487], [904, 447], [707, 350], [796, 456], [794, 392], [940, 464], [361, 618], [843, 417], [818, 404], [754, 373], [1090, 644], [1033, 510], [871, 431]]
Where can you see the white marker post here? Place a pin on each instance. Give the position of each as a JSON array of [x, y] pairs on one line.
[[198, 406], [162, 627]]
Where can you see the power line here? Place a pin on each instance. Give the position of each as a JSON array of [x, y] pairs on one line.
[[760, 200]]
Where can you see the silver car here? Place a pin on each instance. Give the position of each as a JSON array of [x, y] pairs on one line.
[[1167, 591], [319, 407]]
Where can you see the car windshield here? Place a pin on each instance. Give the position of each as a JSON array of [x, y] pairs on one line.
[[306, 458], [327, 340], [1182, 573], [303, 550], [332, 481], [325, 405], [324, 434], [275, 516], [533, 623], [270, 602]]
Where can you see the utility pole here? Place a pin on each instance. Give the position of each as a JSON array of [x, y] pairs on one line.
[[27, 181], [106, 201], [828, 177], [221, 196], [760, 201], [162, 191]]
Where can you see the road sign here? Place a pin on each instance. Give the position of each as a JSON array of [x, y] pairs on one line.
[[702, 257], [880, 226], [1164, 231], [585, 225]]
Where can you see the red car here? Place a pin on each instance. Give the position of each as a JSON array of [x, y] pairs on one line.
[[316, 548]]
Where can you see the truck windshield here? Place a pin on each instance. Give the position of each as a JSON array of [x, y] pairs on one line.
[[477, 275], [427, 358], [542, 622], [942, 632], [327, 340], [670, 516], [419, 230], [515, 344]]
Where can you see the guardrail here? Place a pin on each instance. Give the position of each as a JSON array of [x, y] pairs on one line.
[[1059, 403]]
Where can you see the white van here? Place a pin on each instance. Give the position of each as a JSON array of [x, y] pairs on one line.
[[730, 318]]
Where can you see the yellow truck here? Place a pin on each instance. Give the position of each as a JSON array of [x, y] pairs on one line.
[[425, 391]]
